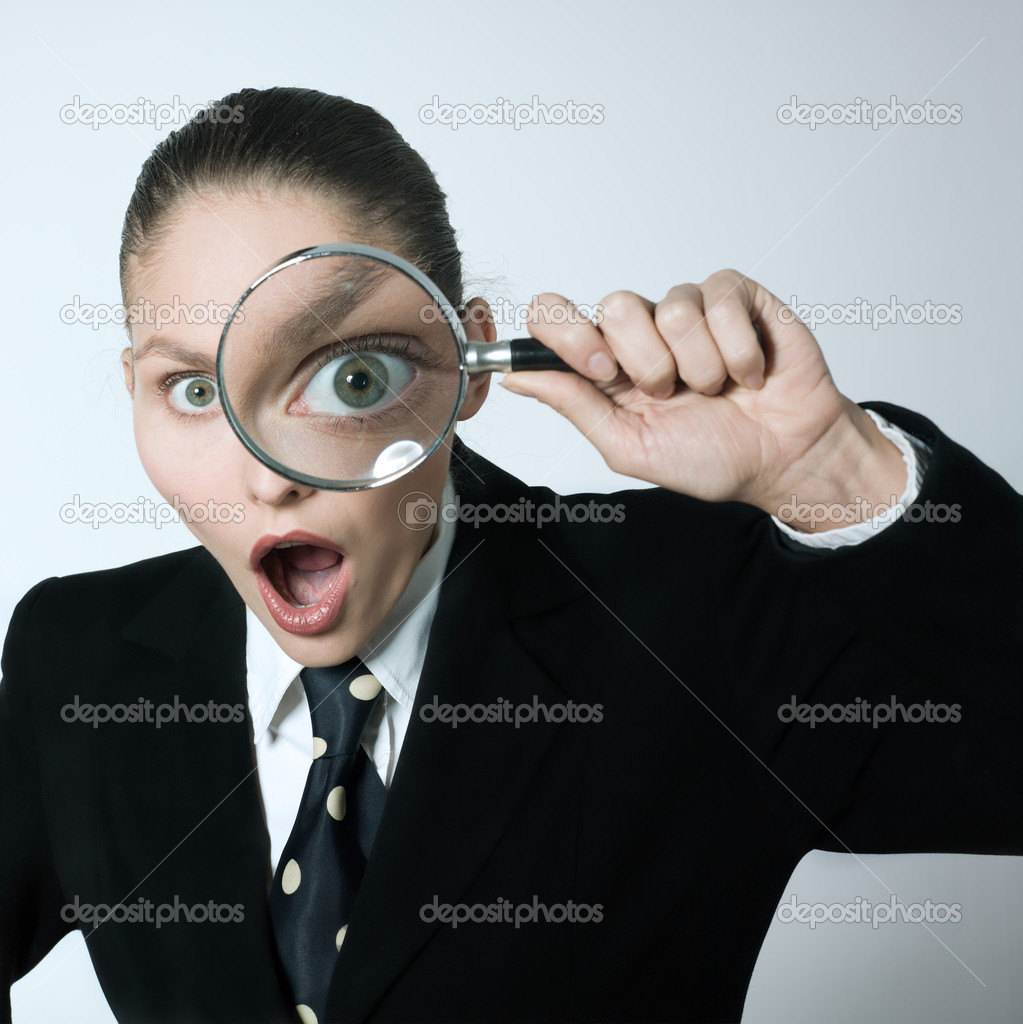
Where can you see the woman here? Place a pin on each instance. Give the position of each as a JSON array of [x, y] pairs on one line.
[[540, 861]]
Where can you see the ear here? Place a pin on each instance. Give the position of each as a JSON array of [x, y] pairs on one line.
[[478, 319], [128, 365]]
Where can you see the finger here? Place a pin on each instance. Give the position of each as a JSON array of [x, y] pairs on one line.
[[627, 323], [576, 398], [729, 298], [788, 340], [680, 320], [558, 324]]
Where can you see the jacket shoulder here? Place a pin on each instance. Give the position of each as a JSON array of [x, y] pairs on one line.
[[84, 613]]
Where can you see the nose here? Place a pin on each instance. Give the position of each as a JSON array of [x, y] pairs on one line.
[[265, 487]]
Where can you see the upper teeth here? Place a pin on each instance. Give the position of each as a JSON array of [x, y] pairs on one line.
[[290, 544]]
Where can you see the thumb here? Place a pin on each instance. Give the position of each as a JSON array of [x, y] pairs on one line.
[[788, 339]]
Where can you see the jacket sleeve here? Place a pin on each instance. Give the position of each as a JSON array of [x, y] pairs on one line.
[[911, 644], [30, 893]]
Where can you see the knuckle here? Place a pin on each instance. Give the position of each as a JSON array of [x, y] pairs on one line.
[[540, 307], [720, 313], [727, 275], [576, 336], [618, 305], [676, 317]]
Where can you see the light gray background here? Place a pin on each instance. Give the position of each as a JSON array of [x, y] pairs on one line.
[[690, 171]]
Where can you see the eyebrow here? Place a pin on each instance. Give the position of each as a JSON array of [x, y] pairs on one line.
[[173, 350], [346, 290]]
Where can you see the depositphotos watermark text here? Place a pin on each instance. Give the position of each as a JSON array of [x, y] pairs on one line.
[[417, 510], [862, 111], [503, 711], [145, 111], [144, 911], [96, 514], [503, 911], [862, 911], [865, 712], [145, 712], [505, 112]]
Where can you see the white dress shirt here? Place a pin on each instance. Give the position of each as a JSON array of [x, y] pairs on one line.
[[282, 726]]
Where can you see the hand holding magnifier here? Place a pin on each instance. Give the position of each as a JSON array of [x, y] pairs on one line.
[[344, 367]]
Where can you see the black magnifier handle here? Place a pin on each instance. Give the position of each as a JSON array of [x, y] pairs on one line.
[[508, 356], [520, 354]]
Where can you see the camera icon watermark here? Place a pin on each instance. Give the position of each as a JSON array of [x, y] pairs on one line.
[[418, 511]]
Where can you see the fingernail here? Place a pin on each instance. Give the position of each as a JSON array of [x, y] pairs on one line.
[[754, 380], [602, 366]]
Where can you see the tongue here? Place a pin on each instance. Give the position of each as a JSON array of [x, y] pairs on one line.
[[309, 557], [308, 571]]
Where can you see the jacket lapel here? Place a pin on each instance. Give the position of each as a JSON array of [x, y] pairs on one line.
[[456, 790], [193, 798]]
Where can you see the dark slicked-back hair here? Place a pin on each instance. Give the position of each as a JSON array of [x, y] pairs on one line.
[[287, 139]]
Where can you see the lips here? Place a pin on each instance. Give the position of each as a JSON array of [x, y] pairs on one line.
[[302, 579]]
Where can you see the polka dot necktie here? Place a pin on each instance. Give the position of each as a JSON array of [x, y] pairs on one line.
[[322, 864]]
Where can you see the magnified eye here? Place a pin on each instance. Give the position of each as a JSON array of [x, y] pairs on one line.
[[357, 382], [194, 395]]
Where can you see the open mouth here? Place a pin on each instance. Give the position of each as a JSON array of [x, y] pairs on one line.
[[302, 579]]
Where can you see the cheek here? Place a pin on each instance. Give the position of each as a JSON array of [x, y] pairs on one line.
[[189, 464], [395, 536]]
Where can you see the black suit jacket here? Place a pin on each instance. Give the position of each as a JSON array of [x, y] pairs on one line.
[[676, 818]]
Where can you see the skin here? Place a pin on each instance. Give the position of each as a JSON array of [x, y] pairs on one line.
[[694, 404]]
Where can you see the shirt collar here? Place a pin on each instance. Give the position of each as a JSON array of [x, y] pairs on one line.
[[394, 654]]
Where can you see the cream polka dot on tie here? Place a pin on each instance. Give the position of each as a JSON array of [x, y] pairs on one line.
[[291, 877], [365, 687], [337, 803], [319, 747], [340, 937], [305, 1014]]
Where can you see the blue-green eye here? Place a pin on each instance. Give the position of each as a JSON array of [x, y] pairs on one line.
[[194, 395], [357, 382]]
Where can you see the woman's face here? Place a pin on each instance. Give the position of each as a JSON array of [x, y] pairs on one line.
[[321, 569]]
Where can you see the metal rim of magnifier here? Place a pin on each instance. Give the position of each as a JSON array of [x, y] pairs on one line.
[[388, 259]]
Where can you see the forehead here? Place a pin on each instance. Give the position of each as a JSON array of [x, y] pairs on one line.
[[215, 246]]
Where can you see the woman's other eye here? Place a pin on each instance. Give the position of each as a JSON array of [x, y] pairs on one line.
[[192, 395], [357, 382]]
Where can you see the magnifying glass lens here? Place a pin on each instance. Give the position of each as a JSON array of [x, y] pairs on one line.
[[341, 370]]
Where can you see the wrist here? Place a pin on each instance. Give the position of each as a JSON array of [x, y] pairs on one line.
[[851, 474]]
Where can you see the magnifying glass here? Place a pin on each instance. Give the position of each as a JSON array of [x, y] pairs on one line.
[[344, 367]]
